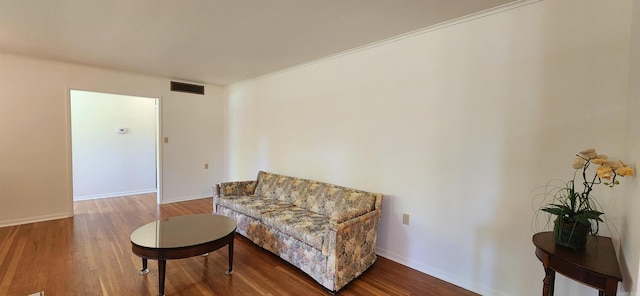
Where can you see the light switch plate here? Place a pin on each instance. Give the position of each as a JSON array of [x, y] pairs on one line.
[[405, 219]]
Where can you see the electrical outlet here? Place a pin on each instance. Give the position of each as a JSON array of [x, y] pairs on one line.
[[206, 166], [405, 219], [166, 139]]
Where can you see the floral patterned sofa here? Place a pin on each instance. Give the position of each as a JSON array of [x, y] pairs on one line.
[[327, 231]]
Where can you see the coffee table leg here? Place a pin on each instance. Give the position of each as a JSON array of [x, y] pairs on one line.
[[144, 269], [230, 271], [162, 265]]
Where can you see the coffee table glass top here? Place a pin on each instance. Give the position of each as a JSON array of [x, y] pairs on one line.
[[183, 231]]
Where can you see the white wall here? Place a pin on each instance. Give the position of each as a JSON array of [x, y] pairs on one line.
[[107, 163], [458, 126], [35, 144], [195, 127]]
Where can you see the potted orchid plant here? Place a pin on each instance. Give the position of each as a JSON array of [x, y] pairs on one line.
[[576, 211]]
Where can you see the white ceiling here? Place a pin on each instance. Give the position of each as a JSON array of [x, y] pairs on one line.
[[212, 41]]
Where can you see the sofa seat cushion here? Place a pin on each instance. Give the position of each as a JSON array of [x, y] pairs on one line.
[[306, 226], [253, 206]]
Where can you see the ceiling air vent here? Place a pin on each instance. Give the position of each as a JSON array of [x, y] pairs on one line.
[[188, 88]]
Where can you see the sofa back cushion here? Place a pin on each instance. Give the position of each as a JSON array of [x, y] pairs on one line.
[[279, 187], [337, 202]]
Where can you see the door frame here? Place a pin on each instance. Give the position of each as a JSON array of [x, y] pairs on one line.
[[158, 138]]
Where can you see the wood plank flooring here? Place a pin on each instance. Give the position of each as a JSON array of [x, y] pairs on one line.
[[90, 254]]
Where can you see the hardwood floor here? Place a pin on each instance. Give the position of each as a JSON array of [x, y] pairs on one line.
[[90, 254]]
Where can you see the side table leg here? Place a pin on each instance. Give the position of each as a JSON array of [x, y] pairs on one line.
[[549, 281], [162, 265], [610, 287], [230, 271], [144, 269]]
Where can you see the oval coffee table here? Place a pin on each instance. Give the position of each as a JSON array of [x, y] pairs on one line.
[[181, 237]]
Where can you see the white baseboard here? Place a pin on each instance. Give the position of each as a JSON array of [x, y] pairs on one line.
[[35, 219], [112, 194], [437, 273], [166, 200]]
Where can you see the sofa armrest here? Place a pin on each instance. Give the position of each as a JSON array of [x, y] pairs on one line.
[[354, 237], [238, 188]]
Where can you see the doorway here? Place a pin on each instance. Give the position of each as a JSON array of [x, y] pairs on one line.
[[114, 145]]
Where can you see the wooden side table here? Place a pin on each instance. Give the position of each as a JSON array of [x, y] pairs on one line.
[[595, 266]]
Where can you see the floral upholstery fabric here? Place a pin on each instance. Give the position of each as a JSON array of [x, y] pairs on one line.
[[304, 225], [252, 206], [240, 188], [272, 186], [236, 188], [339, 202], [279, 187], [327, 231]]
